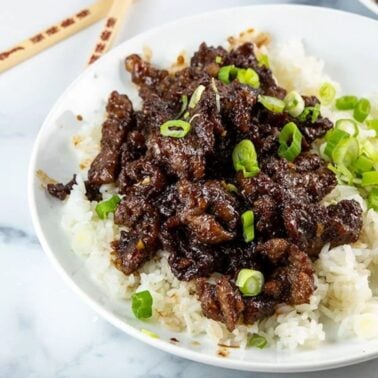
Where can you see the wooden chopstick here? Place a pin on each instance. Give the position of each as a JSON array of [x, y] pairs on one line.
[[113, 23], [54, 34]]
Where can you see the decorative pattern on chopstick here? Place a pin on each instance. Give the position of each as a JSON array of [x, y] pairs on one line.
[[111, 27], [53, 34]]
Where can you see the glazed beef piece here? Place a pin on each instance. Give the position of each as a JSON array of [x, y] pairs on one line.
[[208, 210], [244, 57], [61, 191], [104, 168], [291, 280], [188, 258], [311, 226], [141, 242], [206, 55], [142, 72], [181, 157], [142, 177], [222, 301], [92, 192]]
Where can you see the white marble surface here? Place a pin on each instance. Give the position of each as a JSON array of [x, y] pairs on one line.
[[45, 330]]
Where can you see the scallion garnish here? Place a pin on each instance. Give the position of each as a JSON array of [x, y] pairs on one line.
[[248, 223], [227, 73], [257, 341], [363, 164], [347, 125], [313, 111], [250, 282], [361, 110], [141, 304], [263, 60], [369, 178], [245, 75], [290, 140], [150, 333], [218, 59], [294, 103], [333, 137], [184, 105], [196, 96], [217, 96], [231, 188], [248, 76], [373, 199], [244, 158], [104, 208], [345, 152], [346, 102], [327, 93], [373, 125], [273, 104], [175, 128]]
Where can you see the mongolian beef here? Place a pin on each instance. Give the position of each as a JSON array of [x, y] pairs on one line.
[[216, 169]]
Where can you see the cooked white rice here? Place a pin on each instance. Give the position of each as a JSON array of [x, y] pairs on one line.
[[346, 297]]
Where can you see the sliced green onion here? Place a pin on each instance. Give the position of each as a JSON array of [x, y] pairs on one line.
[[250, 282], [150, 333], [346, 102], [363, 164], [294, 103], [373, 199], [369, 147], [175, 128], [347, 125], [248, 220], [263, 60], [218, 59], [327, 93], [231, 188], [257, 341], [314, 111], [248, 76], [346, 151], [196, 96], [141, 304], [273, 104], [373, 125], [184, 105], [369, 178], [104, 208], [342, 172], [333, 137], [227, 73], [217, 96], [290, 132], [244, 158], [361, 110]]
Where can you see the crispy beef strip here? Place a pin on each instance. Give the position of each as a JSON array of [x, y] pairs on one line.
[[105, 167], [61, 191]]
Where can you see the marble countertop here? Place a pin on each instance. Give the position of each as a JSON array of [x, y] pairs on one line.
[[45, 330]]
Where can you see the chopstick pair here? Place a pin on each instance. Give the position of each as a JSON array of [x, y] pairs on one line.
[[114, 12]]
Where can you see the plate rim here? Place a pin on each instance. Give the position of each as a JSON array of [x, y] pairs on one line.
[[246, 365]]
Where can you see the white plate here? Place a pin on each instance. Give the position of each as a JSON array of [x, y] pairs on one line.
[[351, 58], [371, 4]]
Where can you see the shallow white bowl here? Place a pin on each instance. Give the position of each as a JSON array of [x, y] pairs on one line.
[[346, 42]]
